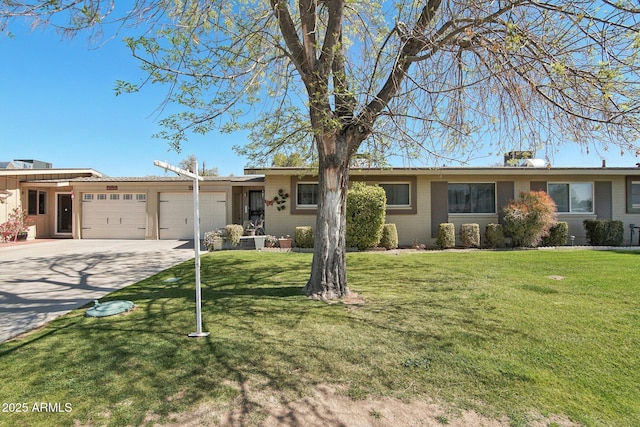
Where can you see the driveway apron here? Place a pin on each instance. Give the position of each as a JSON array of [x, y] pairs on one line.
[[41, 281]]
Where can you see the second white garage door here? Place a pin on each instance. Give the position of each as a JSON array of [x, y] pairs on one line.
[[176, 214]]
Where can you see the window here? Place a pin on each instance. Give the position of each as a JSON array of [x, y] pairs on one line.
[[102, 197], [114, 197], [37, 202], [574, 197], [42, 203], [127, 197], [141, 197], [33, 202], [472, 198], [307, 195], [635, 195], [87, 197], [397, 194]]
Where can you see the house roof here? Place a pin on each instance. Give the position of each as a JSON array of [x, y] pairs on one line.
[[232, 179], [254, 180], [457, 171], [49, 173]]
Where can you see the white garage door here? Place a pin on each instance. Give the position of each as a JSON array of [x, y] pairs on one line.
[[114, 216], [176, 214]]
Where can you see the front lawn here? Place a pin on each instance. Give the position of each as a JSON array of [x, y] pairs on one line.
[[516, 335]]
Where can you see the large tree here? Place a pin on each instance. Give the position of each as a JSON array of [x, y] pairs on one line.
[[415, 77]]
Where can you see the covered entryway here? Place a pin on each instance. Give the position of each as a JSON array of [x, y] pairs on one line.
[[114, 215], [176, 214]]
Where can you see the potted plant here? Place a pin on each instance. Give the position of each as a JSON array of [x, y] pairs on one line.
[[270, 241], [16, 227], [285, 242], [213, 240]]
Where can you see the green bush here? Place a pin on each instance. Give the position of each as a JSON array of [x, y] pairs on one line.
[[557, 236], [366, 206], [604, 232], [446, 237], [232, 234], [213, 239], [389, 239], [494, 236], [470, 235], [304, 237], [527, 220]]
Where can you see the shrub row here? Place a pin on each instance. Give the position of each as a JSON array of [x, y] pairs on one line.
[[494, 235], [389, 238]]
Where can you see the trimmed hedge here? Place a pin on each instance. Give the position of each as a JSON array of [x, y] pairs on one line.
[[604, 232], [494, 236], [232, 234], [446, 235], [304, 237], [366, 211], [557, 236], [470, 235], [389, 239]]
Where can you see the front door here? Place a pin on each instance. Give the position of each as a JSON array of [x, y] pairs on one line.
[[64, 213]]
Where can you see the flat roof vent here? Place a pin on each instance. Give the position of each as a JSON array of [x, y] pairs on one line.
[[534, 163]]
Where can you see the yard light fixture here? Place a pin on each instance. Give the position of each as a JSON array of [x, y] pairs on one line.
[[196, 235]]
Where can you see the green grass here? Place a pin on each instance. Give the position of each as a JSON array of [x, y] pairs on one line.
[[491, 331]]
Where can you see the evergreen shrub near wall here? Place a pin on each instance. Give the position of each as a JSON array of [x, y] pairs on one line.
[[304, 237], [366, 211], [470, 235], [446, 237], [389, 239], [232, 234], [557, 236], [602, 232], [494, 236]]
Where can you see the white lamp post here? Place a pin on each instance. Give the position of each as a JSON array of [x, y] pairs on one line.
[[196, 235]]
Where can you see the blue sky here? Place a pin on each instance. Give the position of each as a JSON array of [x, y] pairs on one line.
[[58, 105]]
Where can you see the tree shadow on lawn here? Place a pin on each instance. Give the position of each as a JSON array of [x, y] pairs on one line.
[[264, 334]]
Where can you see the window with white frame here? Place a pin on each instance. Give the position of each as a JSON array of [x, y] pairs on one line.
[[398, 194], [472, 197], [307, 195], [572, 197]]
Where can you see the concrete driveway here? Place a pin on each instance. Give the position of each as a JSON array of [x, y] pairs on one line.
[[41, 281]]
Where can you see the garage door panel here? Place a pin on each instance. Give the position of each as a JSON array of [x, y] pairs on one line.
[[176, 214], [122, 217]]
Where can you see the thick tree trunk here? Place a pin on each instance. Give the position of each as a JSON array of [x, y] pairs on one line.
[[329, 272]]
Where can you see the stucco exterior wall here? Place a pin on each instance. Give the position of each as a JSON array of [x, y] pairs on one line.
[[416, 227]]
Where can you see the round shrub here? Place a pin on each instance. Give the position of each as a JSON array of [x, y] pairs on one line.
[[527, 220], [389, 239], [366, 205], [446, 237], [304, 237], [494, 236], [470, 235], [232, 234], [557, 236]]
